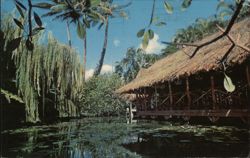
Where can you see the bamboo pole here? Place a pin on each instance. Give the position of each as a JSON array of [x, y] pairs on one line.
[[248, 82], [156, 98], [188, 93], [248, 75], [213, 91], [144, 100], [170, 94]]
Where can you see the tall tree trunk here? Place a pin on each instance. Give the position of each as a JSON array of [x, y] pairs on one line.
[[99, 66], [84, 55], [68, 34]]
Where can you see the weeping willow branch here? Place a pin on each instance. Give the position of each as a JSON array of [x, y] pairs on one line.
[[29, 19]]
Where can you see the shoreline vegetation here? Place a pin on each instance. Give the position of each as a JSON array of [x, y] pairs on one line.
[[50, 108], [47, 82]]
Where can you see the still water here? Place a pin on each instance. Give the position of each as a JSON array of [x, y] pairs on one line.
[[113, 137]]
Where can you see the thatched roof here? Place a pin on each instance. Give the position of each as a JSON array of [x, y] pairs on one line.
[[179, 64]]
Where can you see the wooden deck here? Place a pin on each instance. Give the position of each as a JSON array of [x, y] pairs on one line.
[[191, 113]]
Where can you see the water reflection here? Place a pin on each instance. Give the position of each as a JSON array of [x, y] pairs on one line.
[[114, 138]]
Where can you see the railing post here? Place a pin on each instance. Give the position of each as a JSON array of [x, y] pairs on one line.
[[248, 75], [213, 91], [248, 83], [144, 98], [170, 95], [188, 93], [130, 113]]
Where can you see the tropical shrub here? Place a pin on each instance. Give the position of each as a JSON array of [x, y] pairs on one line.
[[99, 98]]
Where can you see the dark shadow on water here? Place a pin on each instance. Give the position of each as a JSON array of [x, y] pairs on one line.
[[182, 144], [112, 137]]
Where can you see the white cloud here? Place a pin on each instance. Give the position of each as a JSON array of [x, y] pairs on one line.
[[89, 73], [116, 42], [154, 46], [105, 69]]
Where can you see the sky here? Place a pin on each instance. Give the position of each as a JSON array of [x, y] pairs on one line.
[[122, 32]]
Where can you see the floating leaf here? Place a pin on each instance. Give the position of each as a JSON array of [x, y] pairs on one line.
[[145, 40], [228, 84], [140, 33], [186, 4], [37, 30], [37, 19], [29, 44], [161, 24], [151, 34], [13, 44], [58, 8], [18, 23], [43, 5], [20, 4], [20, 10], [168, 7], [81, 30]]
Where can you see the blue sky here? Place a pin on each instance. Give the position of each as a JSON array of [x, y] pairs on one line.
[[122, 33]]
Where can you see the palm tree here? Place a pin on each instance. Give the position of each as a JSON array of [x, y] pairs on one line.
[[87, 11], [78, 12], [104, 48], [108, 11], [68, 34]]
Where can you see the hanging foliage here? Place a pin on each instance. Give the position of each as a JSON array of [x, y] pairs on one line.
[[228, 84], [52, 73]]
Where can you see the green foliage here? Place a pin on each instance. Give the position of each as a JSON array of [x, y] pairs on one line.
[[52, 72], [25, 23], [186, 3], [228, 84], [140, 33], [99, 97], [146, 35], [168, 7], [198, 30], [134, 60], [227, 9], [10, 96], [81, 31], [168, 50]]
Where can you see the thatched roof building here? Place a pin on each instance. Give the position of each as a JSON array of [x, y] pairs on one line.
[[179, 64]]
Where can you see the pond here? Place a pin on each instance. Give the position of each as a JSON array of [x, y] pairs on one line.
[[113, 137]]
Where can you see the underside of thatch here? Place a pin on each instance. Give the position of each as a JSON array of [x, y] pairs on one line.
[[179, 64]]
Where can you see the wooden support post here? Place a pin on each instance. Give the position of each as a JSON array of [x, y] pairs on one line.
[[248, 75], [213, 92], [188, 93], [156, 99], [248, 83], [130, 113], [170, 94], [144, 98]]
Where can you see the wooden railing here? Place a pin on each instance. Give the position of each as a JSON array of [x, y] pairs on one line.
[[201, 100]]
